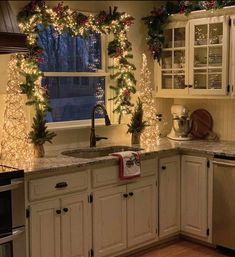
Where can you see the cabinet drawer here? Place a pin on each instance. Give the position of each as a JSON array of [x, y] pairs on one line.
[[55, 185], [107, 175]]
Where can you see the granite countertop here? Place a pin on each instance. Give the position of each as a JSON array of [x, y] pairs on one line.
[[59, 161]]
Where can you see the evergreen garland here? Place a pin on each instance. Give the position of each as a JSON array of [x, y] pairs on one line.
[[78, 24], [158, 17]]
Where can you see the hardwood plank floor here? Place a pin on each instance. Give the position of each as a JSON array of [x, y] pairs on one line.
[[182, 249]]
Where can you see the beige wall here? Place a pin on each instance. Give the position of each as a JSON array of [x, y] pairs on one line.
[[222, 111], [137, 35]]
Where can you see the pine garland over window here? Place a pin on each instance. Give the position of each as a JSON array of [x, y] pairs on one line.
[[64, 19]]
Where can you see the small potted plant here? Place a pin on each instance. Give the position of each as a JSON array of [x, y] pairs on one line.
[[137, 124], [40, 134]]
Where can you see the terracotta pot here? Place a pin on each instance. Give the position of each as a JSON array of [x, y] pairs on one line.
[[39, 151], [135, 138]]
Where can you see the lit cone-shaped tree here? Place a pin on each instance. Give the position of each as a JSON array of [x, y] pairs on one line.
[[15, 142], [150, 135]]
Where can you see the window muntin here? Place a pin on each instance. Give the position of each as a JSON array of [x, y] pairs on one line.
[[71, 67]]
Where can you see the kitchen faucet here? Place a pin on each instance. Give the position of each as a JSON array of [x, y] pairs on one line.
[[93, 137]]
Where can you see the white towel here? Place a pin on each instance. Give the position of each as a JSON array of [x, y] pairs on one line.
[[129, 164]]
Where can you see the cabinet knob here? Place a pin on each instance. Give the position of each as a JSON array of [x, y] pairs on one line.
[[58, 211], [65, 209], [185, 86], [131, 194], [190, 86], [125, 195], [163, 167]]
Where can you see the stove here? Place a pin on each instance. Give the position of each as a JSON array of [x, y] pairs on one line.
[[12, 212]]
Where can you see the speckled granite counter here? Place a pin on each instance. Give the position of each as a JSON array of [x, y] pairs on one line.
[[62, 162]]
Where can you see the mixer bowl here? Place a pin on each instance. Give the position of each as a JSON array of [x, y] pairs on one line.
[[181, 126]]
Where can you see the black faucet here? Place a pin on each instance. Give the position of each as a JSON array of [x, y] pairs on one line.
[[93, 137]]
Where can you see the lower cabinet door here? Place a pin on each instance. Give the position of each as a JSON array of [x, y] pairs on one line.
[[74, 226], [194, 213], [141, 211], [169, 196], [109, 220], [45, 229]]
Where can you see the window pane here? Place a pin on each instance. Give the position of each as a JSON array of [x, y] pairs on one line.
[[69, 54], [72, 98]]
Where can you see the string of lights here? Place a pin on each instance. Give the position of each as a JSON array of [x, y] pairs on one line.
[[15, 142], [150, 135]]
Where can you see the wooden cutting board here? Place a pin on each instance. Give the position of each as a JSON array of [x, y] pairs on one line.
[[202, 123]]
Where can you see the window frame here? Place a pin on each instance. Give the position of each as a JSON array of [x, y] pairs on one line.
[[60, 125]]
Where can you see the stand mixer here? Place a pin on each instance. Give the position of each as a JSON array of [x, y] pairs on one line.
[[181, 123]]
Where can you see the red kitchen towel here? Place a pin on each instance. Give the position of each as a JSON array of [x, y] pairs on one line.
[[129, 164]]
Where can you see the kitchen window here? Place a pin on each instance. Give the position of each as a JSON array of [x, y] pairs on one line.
[[74, 74]]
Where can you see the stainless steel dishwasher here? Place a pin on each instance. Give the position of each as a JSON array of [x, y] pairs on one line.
[[224, 201]]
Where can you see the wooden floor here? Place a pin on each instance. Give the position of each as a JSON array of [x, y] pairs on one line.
[[182, 249]]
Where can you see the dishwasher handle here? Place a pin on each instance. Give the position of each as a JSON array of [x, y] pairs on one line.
[[223, 163]]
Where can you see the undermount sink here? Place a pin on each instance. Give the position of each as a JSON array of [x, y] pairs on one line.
[[99, 152]]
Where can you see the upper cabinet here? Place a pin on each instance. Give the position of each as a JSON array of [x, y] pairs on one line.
[[195, 58], [172, 77], [208, 56]]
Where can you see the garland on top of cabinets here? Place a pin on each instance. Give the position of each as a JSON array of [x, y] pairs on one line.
[[158, 17], [64, 19]]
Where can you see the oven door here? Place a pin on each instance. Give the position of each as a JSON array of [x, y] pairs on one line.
[[13, 245]]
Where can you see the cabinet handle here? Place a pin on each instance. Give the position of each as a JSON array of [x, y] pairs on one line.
[[190, 86], [125, 195], [185, 86], [58, 211], [163, 167], [131, 194], [61, 185], [65, 209]]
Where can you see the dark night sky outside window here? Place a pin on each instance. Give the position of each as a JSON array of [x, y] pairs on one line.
[[71, 96]]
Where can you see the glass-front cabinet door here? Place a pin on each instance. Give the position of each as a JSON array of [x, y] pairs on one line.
[[232, 56], [171, 76], [208, 56]]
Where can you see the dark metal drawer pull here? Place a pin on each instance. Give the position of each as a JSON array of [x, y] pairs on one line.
[[61, 185], [58, 211], [131, 194], [163, 167], [125, 195]]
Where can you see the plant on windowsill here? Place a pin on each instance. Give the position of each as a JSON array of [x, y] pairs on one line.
[[137, 124], [40, 134]]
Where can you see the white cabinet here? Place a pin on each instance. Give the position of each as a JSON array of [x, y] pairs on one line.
[[208, 55], [74, 226], [172, 73], [195, 58], [232, 54], [109, 220], [194, 196], [169, 196], [124, 216], [58, 222], [59, 228], [141, 211], [45, 230]]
